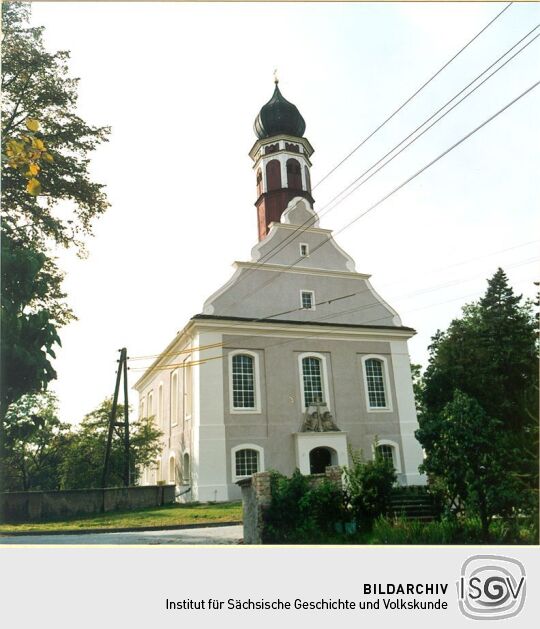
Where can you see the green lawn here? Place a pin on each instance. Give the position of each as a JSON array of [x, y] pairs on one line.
[[169, 515]]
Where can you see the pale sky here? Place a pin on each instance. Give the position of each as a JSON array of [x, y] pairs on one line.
[[180, 84]]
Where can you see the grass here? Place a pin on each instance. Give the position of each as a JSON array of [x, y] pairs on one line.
[[168, 515]]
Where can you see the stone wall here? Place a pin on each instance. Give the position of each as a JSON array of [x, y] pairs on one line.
[[33, 506], [257, 495]]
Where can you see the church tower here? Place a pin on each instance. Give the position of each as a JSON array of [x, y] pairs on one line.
[[281, 157]]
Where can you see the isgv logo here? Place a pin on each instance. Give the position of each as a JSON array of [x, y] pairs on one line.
[[491, 587]]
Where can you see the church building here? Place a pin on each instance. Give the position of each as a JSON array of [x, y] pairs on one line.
[[294, 361]]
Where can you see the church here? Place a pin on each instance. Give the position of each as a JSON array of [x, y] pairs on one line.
[[292, 363]]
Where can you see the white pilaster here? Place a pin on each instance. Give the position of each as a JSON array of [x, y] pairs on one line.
[[408, 423]]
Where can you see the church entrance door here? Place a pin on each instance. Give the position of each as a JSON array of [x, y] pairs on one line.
[[319, 460]]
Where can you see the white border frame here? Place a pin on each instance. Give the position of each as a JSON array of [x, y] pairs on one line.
[[303, 244], [160, 406], [324, 374], [313, 302], [256, 410], [246, 446], [396, 454], [387, 389]]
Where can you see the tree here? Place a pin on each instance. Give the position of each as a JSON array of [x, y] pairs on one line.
[[489, 356], [83, 463], [36, 86], [36, 442], [41, 136], [467, 453]]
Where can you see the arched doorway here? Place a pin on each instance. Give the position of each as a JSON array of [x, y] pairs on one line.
[[319, 460]]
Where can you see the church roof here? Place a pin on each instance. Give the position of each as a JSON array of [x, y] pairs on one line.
[[277, 117]]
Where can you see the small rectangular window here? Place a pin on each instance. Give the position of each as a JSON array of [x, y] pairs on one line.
[[304, 250], [307, 300]]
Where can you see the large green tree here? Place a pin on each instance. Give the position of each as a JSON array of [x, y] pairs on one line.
[[39, 111], [36, 443], [36, 85], [83, 462], [488, 356]]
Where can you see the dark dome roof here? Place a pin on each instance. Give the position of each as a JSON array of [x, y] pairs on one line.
[[278, 116]]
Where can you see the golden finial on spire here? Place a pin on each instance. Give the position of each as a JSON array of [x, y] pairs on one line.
[[276, 80]]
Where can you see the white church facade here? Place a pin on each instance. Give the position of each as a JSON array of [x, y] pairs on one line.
[[294, 361]]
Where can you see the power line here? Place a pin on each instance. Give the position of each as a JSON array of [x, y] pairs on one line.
[[413, 95], [399, 187], [326, 209], [326, 317]]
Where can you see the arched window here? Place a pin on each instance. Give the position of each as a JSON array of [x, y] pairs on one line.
[[244, 382], [246, 462], [294, 175], [186, 469], [158, 471], [259, 182], [375, 382], [273, 175], [150, 404], [174, 398], [246, 459], [308, 178], [388, 451], [172, 470], [159, 418], [312, 378]]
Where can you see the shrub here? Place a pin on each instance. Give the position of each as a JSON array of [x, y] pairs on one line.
[[369, 488], [300, 513]]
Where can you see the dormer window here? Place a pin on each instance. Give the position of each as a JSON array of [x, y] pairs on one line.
[[304, 250], [307, 300]]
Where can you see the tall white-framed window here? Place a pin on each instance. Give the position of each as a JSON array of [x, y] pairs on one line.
[[244, 382], [313, 379], [159, 416], [186, 468], [389, 451], [150, 404], [304, 250], [141, 408], [246, 459], [172, 469], [174, 397], [307, 300], [158, 471], [188, 387], [376, 383]]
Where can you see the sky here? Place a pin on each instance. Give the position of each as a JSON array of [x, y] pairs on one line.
[[180, 84]]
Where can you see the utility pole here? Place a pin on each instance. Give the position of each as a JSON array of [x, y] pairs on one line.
[[122, 370]]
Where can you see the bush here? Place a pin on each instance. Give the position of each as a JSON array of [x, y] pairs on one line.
[[300, 513], [369, 488], [452, 531]]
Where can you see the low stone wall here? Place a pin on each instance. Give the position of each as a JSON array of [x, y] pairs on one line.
[[257, 495], [33, 506]]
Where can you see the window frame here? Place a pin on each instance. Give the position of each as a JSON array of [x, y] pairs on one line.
[[246, 446], [187, 388], [312, 293], [324, 378], [174, 397], [159, 410], [255, 410], [172, 457], [396, 455], [386, 382], [306, 245]]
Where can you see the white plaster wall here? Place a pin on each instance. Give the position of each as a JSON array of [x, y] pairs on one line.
[[209, 464], [408, 422]]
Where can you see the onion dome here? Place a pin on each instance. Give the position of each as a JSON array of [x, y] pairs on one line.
[[279, 116]]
